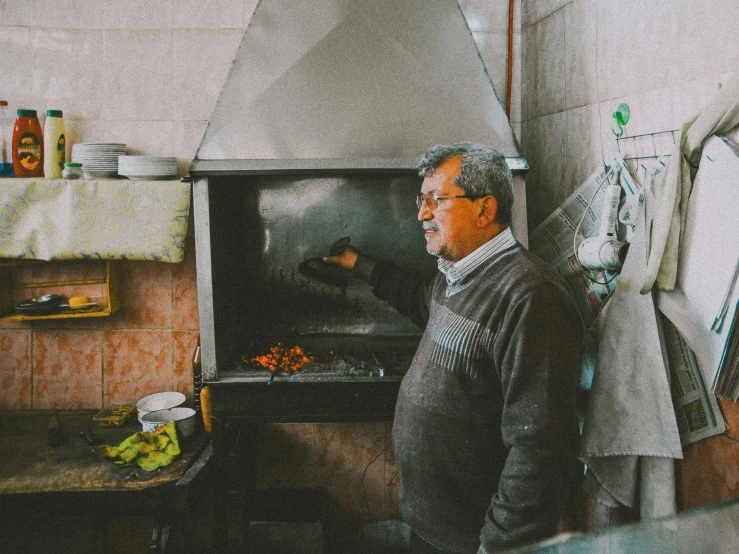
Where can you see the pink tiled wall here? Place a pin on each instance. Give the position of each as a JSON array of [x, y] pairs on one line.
[[146, 347], [353, 463], [91, 363]]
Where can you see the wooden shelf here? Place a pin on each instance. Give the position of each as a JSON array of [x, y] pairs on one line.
[[98, 279]]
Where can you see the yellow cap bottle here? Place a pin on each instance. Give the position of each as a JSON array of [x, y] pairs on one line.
[[54, 145]]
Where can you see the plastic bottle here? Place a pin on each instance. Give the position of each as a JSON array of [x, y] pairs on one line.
[[28, 145], [6, 158], [54, 149], [207, 404], [197, 376]]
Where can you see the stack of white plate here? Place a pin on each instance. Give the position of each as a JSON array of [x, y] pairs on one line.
[[98, 159], [147, 167]]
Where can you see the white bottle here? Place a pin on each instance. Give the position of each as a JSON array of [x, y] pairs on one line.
[[54, 145]]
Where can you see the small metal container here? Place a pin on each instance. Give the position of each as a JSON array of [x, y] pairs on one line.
[[159, 401], [184, 418]]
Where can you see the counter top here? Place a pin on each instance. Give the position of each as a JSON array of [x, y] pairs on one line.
[[28, 465]]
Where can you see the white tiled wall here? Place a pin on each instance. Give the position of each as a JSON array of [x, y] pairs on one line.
[[582, 58], [488, 21], [148, 72], [534, 10], [143, 72]]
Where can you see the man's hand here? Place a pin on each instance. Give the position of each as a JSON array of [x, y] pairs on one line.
[[346, 259]]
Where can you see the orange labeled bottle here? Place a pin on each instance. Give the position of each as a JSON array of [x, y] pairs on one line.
[[28, 145]]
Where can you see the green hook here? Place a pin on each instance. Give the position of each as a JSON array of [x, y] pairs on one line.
[[621, 117]]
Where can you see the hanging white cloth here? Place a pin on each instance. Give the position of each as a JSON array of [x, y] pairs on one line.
[[674, 185], [630, 436]]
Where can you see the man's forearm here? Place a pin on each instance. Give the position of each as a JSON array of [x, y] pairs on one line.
[[404, 290]]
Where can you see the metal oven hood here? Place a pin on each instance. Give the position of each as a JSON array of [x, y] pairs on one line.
[[346, 85]]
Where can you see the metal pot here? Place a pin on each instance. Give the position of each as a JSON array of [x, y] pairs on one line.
[[159, 401], [184, 418]]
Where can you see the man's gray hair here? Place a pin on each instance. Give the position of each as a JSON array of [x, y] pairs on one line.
[[484, 172]]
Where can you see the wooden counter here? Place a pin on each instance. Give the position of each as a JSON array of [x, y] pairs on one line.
[[35, 475]]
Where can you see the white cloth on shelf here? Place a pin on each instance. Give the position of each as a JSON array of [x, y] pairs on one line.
[[56, 219]]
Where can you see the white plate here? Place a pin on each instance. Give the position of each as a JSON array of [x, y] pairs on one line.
[[78, 148], [147, 170], [93, 174], [148, 158], [129, 159], [138, 170], [100, 144], [124, 161], [152, 177]]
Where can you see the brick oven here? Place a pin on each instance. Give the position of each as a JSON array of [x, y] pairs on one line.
[[314, 138]]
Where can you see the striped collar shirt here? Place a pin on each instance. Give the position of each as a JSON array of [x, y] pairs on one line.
[[456, 272]]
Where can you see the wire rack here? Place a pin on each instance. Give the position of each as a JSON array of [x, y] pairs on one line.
[[641, 152]]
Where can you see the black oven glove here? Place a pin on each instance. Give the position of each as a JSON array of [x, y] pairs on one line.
[[330, 274]]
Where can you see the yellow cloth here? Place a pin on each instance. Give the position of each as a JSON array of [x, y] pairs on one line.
[[113, 219], [149, 450]]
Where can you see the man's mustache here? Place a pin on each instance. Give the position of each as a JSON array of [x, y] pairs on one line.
[[430, 226]]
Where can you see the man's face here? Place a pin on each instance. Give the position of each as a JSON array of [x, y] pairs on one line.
[[450, 228]]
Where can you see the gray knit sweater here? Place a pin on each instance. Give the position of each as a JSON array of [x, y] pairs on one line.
[[485, 431]]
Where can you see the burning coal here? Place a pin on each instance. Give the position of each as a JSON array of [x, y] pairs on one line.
[[290, 359]]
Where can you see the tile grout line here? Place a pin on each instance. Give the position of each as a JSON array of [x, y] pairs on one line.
[[172, 371], [102, 365], [31, 363], [597, 88]]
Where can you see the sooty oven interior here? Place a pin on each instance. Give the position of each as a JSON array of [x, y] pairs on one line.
[[279, 345]]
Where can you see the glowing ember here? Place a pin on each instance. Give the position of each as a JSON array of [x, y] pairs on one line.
[[279, 358]]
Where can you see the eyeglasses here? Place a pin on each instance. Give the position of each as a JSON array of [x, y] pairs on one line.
[[431, 200]]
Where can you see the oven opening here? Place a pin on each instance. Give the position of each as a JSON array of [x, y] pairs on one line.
[[271, 320]]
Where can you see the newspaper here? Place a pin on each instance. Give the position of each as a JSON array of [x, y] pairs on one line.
[[697, 412], [554, 239], [727, 378]]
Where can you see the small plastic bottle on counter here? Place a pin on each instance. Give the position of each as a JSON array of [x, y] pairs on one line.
[[54, 148], [6, 158], [72, 170], [207, 405], [28, 145], [197, 376]]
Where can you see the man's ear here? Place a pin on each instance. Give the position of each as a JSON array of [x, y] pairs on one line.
[[488, 211]]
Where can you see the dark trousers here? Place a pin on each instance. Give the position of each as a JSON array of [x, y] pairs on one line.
[[422, 546]]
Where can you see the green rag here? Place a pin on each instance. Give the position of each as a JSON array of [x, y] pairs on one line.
[[149, 450]]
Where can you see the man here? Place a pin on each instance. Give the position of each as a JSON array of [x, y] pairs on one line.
[[485, 431]]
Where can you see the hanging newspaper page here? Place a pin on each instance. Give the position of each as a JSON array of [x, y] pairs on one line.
[[697, 412], [554, 238]]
